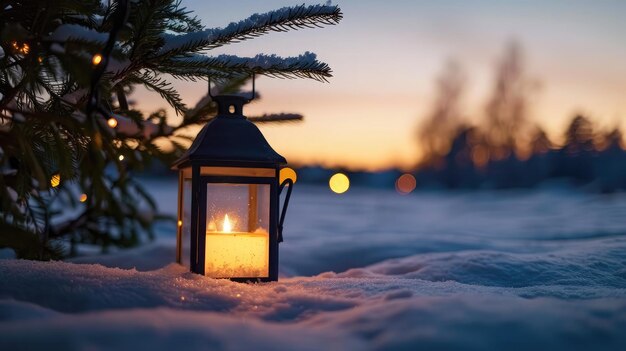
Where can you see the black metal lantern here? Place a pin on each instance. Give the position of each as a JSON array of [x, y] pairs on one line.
[[228, 199]]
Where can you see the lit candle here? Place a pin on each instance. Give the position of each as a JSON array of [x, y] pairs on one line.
[[236, 254]]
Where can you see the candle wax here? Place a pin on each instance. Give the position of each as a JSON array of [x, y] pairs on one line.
[[237, 254]]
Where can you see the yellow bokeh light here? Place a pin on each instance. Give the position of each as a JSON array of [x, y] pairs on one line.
[[180, 223], [121, 158], [112, 122], [96, 59], [83, 197], [55, 180], [288, 173], [339, 183], [405, 184]]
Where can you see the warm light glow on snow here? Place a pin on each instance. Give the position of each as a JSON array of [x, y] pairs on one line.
[[405, 184], [339, 183], [83, 197], [97, 58], [288, 173], [112, 122], [55, 180], [227, 227]]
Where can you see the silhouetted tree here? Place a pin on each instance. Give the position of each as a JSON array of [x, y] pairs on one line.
[[507, 108], [443, 121]]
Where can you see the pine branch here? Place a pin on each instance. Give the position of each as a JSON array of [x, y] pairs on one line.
[[276, 117], [151, 81], [281, 20], [225, 66]]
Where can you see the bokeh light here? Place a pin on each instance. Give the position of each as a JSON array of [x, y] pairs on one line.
[[83, 197], [55, 180], [20, 48], [288, 173], [97, 58], [120, 157], [112, 122], [339, 183], [405, 184]]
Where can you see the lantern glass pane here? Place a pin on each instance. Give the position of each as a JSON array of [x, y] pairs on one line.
[[237, 230], [186, 223]]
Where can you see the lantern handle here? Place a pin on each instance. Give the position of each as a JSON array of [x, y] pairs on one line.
[[248, 100], [281, 220]]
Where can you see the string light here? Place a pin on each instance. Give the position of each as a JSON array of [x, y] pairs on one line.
[[121, 158], [55, 180], [96, 59], [83, 197], [22, 49], [112, 122]]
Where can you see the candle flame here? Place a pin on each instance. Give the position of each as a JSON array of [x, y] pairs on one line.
[[227, 227]]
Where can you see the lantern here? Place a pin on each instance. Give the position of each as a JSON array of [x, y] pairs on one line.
[[228, 199]]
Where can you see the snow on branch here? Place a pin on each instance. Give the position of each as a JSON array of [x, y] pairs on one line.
[[67, 32], [276, 117], [225, 66], [280, 20]]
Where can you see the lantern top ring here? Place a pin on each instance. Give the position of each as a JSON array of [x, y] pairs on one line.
[[253, 94]]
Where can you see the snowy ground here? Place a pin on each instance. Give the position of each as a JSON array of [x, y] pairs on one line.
[[369, 269]]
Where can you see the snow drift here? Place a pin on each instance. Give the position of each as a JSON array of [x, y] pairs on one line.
[[540, 270]]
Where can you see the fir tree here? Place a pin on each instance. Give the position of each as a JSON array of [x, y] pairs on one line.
[[69, 137]]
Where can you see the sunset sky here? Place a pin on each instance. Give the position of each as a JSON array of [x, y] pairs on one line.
[[385, 56]]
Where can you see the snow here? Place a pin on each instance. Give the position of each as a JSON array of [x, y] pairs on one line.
[[235, 29], [67, 32], [367, 270], [306, 61]]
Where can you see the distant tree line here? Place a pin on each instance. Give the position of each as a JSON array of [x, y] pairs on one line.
[[586, 158], [505, 149]]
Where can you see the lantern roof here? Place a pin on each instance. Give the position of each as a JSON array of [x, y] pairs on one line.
[[230, 139]]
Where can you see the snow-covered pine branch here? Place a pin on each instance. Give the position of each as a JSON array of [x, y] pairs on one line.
[[276, 117], [281, 20], [77, 32], [225, 66]]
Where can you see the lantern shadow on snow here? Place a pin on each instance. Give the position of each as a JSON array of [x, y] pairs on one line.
[[228, 205]]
